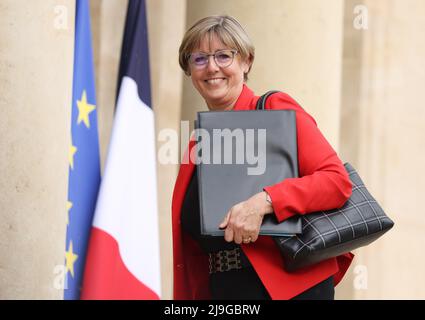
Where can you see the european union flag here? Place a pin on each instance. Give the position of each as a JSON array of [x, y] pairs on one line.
[[84, 166]]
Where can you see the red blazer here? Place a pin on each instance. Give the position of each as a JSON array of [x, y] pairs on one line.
[[323, 184]]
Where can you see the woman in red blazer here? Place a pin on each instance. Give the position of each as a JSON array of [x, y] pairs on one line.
[[217, 54]]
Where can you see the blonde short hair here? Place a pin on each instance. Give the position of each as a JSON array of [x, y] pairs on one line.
[[227, 29]]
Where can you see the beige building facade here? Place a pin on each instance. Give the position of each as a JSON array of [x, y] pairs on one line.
[[356, 66]]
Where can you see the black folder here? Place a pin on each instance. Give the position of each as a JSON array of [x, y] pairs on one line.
[[238, 153]]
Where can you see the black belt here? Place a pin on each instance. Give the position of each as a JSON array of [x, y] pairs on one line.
[[226, 260]]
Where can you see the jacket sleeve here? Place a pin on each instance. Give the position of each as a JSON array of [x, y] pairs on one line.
[[323, 182]]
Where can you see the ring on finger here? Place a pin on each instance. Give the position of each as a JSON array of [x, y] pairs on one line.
[[247, 240]]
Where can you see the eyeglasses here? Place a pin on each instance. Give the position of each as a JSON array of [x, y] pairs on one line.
[[223, 58]]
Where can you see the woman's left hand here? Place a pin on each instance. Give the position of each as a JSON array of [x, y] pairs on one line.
[[243, 221]]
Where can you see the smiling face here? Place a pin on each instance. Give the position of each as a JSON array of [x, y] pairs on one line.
[[220, 87]]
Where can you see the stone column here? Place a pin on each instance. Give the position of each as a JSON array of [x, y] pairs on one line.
[[36, 65], [383, 121]]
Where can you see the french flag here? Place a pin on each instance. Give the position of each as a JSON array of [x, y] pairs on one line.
[[123, 259]]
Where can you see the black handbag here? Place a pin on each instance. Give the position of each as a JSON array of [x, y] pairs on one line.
[[327, 234]]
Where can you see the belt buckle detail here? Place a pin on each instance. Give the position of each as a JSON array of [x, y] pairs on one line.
[[224, 260]]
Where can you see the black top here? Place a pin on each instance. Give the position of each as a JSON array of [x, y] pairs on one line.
[[190, 220]]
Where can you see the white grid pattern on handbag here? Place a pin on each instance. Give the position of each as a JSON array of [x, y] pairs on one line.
[[352, 208]]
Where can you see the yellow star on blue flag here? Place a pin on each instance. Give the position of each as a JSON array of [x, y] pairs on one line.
[[84, 109], [70, 258]]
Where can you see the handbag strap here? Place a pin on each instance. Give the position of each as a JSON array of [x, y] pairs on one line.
[[262, 100]]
